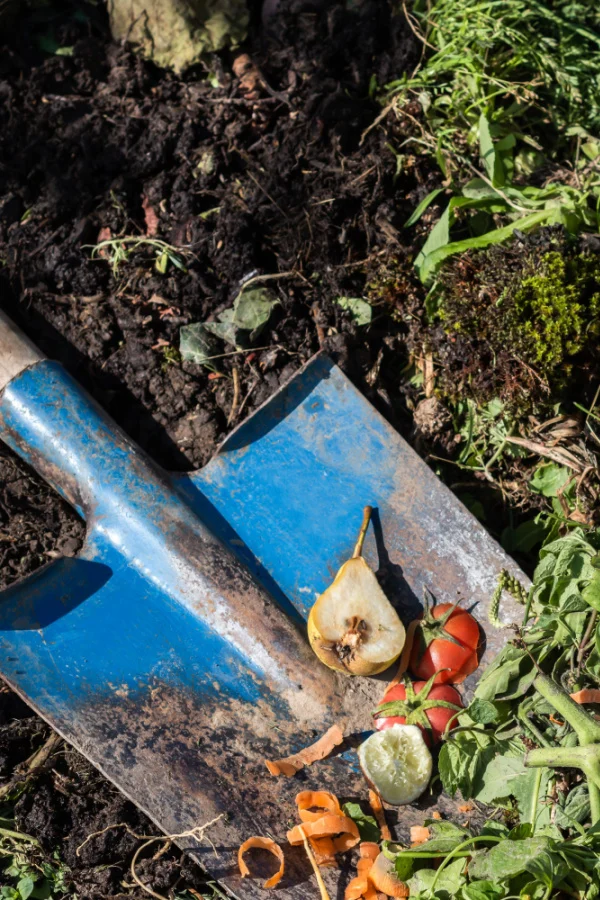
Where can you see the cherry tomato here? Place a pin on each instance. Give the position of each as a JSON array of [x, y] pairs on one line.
[[445, 645], [417, 703]]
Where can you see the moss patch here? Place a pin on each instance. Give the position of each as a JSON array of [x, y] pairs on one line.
[[515, 322]]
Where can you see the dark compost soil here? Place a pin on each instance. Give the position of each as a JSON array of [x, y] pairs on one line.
[[99, 143]]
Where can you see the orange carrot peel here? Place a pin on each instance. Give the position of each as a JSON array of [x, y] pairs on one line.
[[418, 835], [262, 843], [360, 888], [324, 825], [587, 695], [379, 813], [319, 750]]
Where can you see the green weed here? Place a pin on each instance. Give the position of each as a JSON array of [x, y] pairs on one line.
[[521, 62], [118, 251], [494, 193]]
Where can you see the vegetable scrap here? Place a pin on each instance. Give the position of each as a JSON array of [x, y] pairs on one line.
[[384, 878], [396, 763], [353, 628], [262, 843], [332, 738], [446, 645], [359, 887], [379, 813], [432, 707], [418, 835]]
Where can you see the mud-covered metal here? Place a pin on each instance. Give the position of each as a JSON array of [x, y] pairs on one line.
[[172, 651]]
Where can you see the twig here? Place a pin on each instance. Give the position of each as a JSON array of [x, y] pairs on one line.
[[274, 276], [382, 115], [585, 640], [313, 862], [560, 456], [267, 195], [247, 397], [320, 330], [31, 765], [196, 833], [236, 396]]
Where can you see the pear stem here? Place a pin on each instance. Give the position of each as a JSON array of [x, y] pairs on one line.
[[363, 531]]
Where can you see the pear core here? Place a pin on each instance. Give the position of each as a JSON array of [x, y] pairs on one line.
[[353, 627]]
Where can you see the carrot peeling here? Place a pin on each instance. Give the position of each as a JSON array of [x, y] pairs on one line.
[[360, 888], [321, 801], [262, 843], [379, 813], [319, 750], [327, 826], [587, 695], [418, 835]]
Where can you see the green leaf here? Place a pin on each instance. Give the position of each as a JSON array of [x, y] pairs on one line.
[[482, 890], [548, 479], [524, 537], [367, 826], [196, 345], [404, 867], [435, 256], [510, 675], [483, 712], [591, 593], [491, 159], [507, 859], [444, 836], [420, 209], [25, 886], [437, 240], [361, 311], [252, 309], [462, 762], [447, 883]]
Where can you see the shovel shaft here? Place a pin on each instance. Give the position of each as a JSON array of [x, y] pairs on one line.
[[16, 351]]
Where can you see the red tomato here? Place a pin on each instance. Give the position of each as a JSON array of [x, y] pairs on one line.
[[412, 698], [448, 639]]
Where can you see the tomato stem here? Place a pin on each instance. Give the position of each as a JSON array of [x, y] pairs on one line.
[[367, 512]]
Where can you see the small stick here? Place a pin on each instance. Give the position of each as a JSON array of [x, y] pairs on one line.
[[313, 862], [318, 326], [363, 531], [236, 396]]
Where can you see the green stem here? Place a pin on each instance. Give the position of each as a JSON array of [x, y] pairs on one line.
[[456, 852], [535, 798], [585, 758], [594, 794], [533, 730], [586, 728], [17, 836]]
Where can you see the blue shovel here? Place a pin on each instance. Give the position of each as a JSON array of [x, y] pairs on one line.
[[172, 650]]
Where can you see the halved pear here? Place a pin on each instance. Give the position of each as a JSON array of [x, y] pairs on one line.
[[353, 627]]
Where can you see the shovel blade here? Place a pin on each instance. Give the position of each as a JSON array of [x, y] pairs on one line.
[[181, 720]]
